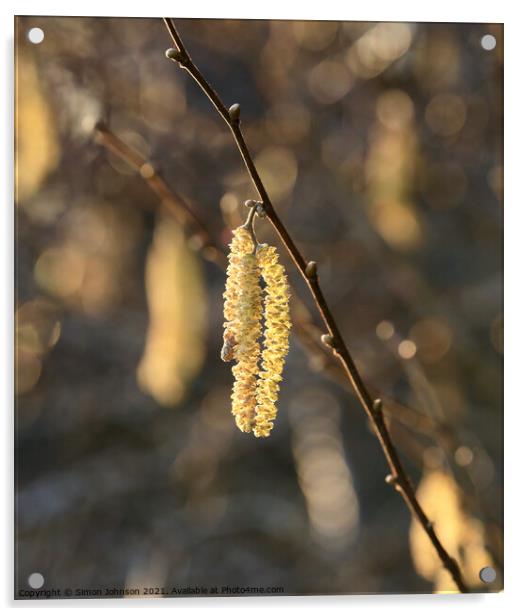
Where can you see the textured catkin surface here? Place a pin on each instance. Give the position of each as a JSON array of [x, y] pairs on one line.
[[247, 350], [243, 313], [277, 330], [241, 245], [256, 385]]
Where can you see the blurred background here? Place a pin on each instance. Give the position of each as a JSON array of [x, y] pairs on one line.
[[381, 147]]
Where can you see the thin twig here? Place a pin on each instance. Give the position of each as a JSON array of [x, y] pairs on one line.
[[174, 203], [373, 409]]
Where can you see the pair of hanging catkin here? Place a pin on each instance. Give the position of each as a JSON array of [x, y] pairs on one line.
[[257, 373]]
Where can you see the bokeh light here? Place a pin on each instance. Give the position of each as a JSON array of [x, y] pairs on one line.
[[324, 475], [446, 114], [329, 81], [407, 349]]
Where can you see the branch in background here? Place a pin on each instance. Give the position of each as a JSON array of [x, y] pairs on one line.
[[398, 477], [174, 203]]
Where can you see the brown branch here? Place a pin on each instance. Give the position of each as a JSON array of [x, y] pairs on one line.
[[174, 203], [373, 409]]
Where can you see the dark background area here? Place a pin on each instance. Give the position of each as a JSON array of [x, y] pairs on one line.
[[381, 147]]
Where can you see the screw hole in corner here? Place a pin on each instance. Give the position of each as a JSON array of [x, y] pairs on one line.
[[488, 42], [36, 580], [35, 35], [487, 575]]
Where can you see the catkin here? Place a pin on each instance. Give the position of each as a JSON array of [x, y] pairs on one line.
[[241, 245], [243, 312], [256, 387], [277, 330]]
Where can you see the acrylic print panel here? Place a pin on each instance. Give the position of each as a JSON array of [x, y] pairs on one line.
[[367, 259]]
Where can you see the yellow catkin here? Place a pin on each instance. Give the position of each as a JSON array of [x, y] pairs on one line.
[[240, 245], [277, 330], [243, 313]]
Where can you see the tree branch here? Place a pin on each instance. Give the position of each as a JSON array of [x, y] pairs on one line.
[[174, 203], [373, 408]]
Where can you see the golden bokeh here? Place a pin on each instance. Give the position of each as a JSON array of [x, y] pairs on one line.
[[329, 81], [438, 62], [433, 338], [177, 304], [324, 475], [463, 456], [85, 266], [446, 114], [385, 330], [37, 149], [390, 171], [377, 48], [395, 109], [407, 349], [60, 270], [315, 35], [37, 331], [37, 326], [461, 534], [277, 167], [397, 224]]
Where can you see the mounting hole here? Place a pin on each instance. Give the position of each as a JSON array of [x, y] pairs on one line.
[[488, 42], [487, 575], [36, 580], [35, 36]]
